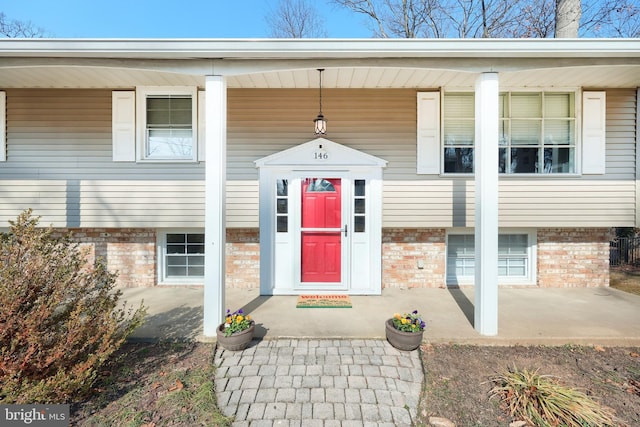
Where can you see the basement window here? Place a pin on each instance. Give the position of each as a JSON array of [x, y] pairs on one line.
[[516, 256], [181, 256]]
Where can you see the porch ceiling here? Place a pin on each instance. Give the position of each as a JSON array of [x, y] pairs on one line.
[[292, 63], [596, 76]]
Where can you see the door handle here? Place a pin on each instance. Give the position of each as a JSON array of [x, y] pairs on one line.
[[345, 230]]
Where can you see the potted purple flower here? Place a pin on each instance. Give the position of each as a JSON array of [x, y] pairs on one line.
[[405, 331], [237, 331]]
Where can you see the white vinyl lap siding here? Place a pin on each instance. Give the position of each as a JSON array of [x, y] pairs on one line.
[[589, 200], [380, 122], [62, 139], [60, 162]]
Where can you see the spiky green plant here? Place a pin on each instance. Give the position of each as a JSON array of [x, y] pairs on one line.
[[543, 401]]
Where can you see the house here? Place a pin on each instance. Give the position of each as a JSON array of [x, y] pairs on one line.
[[444, 163]]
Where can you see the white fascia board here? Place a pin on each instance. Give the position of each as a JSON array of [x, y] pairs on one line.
[[318, 48]]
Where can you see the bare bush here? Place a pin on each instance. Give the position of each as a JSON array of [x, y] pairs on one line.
[[60, 316]]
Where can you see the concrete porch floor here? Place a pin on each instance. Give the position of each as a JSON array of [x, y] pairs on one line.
[[601, 316]]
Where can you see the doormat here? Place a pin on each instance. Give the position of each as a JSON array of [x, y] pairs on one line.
[[324, 301]]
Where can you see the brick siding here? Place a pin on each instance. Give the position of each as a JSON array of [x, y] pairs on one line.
[[131, 252], [573, 257], [243, 258], [413, 258]]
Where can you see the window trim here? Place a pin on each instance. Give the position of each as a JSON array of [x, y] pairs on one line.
[[529, 280], [161, 252], [142, 92], [577, 93]]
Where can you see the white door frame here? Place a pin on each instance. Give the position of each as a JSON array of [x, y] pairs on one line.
[[280, 251]]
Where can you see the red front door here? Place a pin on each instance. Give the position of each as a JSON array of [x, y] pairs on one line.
[[321, 234]]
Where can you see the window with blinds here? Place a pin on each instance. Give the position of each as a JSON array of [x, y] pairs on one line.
[[459, 132], [166, 123], [514, 258], [537, 132], [169, 127]]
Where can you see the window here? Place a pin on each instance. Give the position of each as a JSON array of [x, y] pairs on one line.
[[359, 206], [167, 128], [181, 257], [460, 256], [282, 205], [512, 255], [459, 132], [320, 185], [537, 132], [515, 258]]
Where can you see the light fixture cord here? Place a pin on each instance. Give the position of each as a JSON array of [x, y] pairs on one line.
[[320, 70]]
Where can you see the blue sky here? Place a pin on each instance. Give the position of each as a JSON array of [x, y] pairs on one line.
[[168, 18]]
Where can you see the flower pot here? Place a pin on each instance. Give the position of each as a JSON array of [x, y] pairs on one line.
[[236, 341], [406, 341]]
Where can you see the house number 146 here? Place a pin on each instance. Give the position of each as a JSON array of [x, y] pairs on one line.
[[320, 155]]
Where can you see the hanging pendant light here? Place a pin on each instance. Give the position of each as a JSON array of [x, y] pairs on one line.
[[320, 122]]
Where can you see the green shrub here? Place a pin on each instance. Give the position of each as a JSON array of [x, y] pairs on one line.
[[541, 401], [60, 317]]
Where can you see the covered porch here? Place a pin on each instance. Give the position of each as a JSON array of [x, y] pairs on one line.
[[424, 65], [529, 316]]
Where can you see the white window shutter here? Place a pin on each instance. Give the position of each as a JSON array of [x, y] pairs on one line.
[[202, 125], [428, 133], [123, 121], [593, 132], [3, 126]]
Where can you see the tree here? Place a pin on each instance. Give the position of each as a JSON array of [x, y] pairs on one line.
[[498, 18], [568, 14], [611, 18], [536, 20], [296, 19], [438, 18], [400, 18], [13, 28], [598, 18], [484, 18]]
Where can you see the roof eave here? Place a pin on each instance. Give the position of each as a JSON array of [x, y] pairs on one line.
[[319, 48]]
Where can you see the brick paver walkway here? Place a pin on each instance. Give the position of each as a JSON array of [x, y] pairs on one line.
[[315, 382]]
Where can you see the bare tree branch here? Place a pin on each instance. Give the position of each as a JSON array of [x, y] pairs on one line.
[[13, 28], [296, 19], [368, 8], [498, 18], [610, 18], [536, 20]]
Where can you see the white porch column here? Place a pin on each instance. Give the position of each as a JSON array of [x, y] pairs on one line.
[[486, 219], [215, 199]]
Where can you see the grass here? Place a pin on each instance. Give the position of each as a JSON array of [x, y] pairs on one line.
[[542, 401], [194, 397], [171, 385], [151, 386], [624, 279]]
